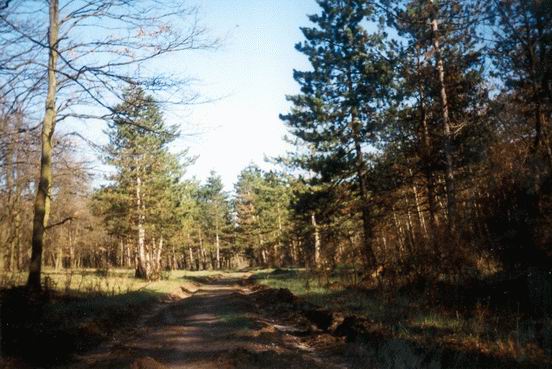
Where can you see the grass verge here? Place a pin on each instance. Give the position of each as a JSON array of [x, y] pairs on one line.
[[77, 311], [415, 316]]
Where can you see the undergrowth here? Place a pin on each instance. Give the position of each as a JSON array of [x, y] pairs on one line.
[[415, 315]]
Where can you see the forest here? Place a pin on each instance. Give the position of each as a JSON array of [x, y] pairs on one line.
[[412, 213]]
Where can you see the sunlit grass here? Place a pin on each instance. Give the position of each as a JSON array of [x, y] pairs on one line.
[[316, 290], [112, 282], [438, 321]]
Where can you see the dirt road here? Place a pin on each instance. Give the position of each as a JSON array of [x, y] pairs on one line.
[[219, 326]]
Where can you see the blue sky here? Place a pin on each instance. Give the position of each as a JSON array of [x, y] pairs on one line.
[[246, 80], [250, 74]]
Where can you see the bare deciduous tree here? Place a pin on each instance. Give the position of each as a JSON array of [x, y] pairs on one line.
[[85, 53]]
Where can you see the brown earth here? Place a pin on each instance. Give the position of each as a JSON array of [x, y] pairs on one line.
[[219, 324]]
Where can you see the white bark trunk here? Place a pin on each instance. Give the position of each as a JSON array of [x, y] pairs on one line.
[[218, 247], [191, 258], [142, 267], [316, 241]]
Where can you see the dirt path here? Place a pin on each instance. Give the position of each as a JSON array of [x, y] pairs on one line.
[[217, 327]]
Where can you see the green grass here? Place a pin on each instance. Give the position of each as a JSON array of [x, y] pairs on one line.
[[415, 317], [315, 290], [236, 320]]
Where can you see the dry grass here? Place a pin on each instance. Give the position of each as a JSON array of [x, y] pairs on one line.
[[97, 281], [80, 308], [507, 335]]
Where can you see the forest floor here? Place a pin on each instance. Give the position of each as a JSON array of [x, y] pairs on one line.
[[218, 326], [260, 319]]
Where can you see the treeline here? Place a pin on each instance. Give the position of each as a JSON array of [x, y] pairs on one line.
[[147, 216], [422, 151], [72, 229]]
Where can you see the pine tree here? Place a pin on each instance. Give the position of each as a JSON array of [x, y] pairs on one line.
[[522, 56], [517, 210], [335, 115], [437, 133], [184, 239], [274, 199], [216, 214], [441, 72], [261, 207], [249, 236], [144, 185]]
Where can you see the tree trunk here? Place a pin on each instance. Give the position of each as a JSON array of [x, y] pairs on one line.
[[12, 267], [20, 248], [409, 225], [59, 258], [71, 249], [155, 259], [201, 257], [399, 232], [447, 132], [159, 253], [173, 261], [279, 252], [217, 240], [121, 253], [264, 258], [128, 255], [294, 256], [42, 198], [191, 258], [421, 218], [212, 261], [365, 206], [316, 232], [11, 202], [16, 252], [142, 265], [427, 158]]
